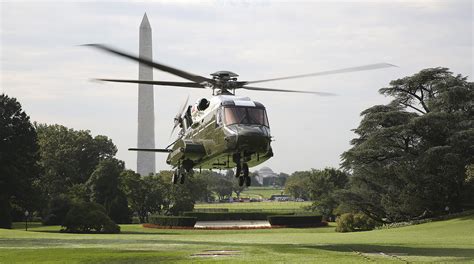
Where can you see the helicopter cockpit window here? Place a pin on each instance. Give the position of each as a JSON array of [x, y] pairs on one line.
[[245, 115]]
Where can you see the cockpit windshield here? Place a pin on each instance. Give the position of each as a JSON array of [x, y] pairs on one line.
[[245, 115]]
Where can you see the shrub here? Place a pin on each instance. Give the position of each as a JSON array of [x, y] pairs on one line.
[[211, 210], [58, 207], [362, 222], [295, 220], [88, 217], [119, 211], [350, 222], [345, 223], [223, 216], [172, 220]]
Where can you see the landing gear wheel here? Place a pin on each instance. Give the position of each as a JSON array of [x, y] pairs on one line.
[[238, 170], [241, 181], [248, 181], [175, 177], [245, 170], [180, 172]]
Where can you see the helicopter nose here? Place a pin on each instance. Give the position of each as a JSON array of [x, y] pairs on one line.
[[253, 138], [247, 131]]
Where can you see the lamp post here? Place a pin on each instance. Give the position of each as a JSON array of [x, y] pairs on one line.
[[26, 220]]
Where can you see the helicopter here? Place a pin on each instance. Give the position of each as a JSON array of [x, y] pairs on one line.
[[226, 131]]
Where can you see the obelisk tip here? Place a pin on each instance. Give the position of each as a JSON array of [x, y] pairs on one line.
[[145, 22]]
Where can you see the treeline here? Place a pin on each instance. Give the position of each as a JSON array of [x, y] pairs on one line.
[[412, 158], [52, 171]]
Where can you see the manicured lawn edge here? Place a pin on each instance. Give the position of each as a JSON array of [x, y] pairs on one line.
[[322, 224]]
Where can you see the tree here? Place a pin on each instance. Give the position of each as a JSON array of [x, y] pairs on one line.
[[204, 182], [105, 189], [427, 90], [178, 198], [324, 187], [69, 157], [298, 183], [281, 179], [229, 175], [18, 158], [145, 195], [222, 186], [57, 210], [410, 157]]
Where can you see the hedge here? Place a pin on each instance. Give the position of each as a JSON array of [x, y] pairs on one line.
[[295, 220], [211, 210], [88, 217], [201, 216], [172, 220]]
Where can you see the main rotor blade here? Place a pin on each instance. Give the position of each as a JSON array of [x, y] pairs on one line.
[[151, 150], [165, 83], [159, 66], [286, 91], [345, 70]]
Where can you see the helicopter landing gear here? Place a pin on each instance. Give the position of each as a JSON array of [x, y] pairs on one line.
[[241, 181], [244, 178], [188, 173], [242, 168], [238, 170], [175, 177], [238, 166], [245, 170], [248, 181], [180, 174]]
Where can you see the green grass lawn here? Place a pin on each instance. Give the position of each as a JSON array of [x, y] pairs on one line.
[[263, 206], [446, 241], [260, 192]]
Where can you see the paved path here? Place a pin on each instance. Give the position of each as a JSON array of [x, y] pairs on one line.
[[242, 223]]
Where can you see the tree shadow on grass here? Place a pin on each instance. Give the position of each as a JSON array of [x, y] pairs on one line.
[[467, 253]]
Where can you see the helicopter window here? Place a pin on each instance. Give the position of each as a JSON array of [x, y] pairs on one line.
[[245, 115]]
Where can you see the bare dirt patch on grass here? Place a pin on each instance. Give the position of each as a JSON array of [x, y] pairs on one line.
[[216, 253]]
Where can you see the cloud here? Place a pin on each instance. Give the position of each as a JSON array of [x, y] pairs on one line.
[[43, 66]]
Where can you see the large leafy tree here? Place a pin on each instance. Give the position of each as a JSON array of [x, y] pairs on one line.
[[298, 183], [178, 198], [222, 186], [145, 194], [68, 157], [104, 184], [410, 157], [18, 158], [323, 189]]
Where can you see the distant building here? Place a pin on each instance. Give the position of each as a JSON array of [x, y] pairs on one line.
[[280, 197], [266, 176]]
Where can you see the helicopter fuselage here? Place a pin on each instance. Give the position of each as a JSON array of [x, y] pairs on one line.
[[221, 134]]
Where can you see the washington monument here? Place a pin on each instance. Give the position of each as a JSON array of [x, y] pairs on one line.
[[146, 111]]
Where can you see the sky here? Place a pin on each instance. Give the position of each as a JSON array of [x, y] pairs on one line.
[[46, 69]]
